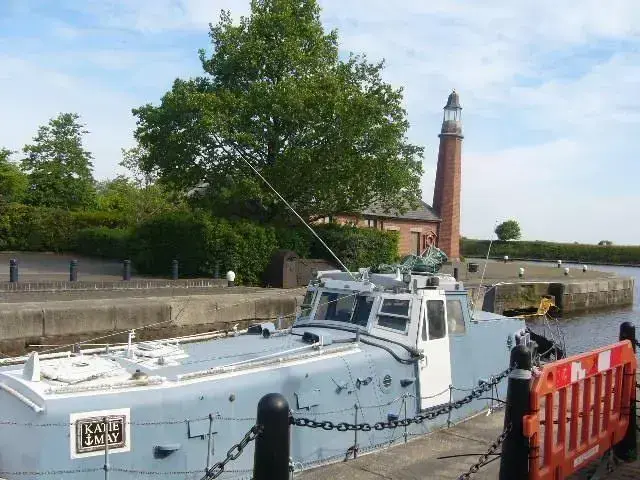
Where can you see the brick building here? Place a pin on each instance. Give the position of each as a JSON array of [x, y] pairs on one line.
[[438, 225], [418, 229]]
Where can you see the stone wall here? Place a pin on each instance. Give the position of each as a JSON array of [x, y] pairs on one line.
[[134, 284], [570, 296], [70, 321]]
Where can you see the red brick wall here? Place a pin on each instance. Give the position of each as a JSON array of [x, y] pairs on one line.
[[446, 194], [407, 229]]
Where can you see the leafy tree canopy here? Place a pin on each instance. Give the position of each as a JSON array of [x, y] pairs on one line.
[[59, 168], [328, 134], [13, 181], [131, 160], [509, 230], [137, 203]]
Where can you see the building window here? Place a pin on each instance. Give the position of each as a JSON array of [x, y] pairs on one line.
[[372, 223]]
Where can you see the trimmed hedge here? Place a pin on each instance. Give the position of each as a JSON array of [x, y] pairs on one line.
[[567, 252], [356, 247], [104, 242], [38, 229], [199, 242]]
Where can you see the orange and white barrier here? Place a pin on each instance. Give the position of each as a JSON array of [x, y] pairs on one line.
[[580, 408]]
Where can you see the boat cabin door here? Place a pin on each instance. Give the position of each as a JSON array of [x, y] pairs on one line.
[[433, 341]]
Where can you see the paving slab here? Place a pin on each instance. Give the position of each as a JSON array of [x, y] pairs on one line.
[[418, 459]]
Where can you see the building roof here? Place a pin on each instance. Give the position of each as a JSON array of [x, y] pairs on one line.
[[424, 212], [453, 101]]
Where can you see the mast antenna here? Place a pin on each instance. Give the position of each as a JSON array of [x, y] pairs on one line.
[[297, 215]]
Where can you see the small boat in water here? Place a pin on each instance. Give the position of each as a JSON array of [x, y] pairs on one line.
[[365, 347]]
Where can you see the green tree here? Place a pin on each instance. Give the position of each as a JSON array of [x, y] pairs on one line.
[[13, 181], [328, 134], [137, 203], [509, 230], [132, 161], [59, 168]]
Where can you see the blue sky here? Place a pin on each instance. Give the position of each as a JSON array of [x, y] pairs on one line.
[[550, 91]]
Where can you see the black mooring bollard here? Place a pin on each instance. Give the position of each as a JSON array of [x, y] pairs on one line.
[[627, 449], [514, 461], [271, 457], [174, 270], [13, 270], [73, 270], [126, 270]]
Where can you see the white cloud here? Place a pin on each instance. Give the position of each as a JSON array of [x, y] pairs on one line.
[[106, 113], [152, 16]]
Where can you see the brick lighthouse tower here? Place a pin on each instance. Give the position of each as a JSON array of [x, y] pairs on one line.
[[446, 194]]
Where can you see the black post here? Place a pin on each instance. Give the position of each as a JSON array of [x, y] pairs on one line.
[[73, 271], [126, 270], [514, 461], [13, 270], [455, 273], [271, 457], [626, 449], [174, 270]]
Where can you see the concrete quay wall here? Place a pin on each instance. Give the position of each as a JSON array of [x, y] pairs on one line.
[[571, 296], [78, 320], [134, 284]]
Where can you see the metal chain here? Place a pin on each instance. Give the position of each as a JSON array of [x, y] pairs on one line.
[[233, 453], [418, 419], [482, 460]]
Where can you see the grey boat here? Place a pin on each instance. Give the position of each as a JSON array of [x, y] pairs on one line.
[[364, 347]]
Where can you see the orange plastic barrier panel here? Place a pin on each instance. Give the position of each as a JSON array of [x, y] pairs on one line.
[[580, 408]]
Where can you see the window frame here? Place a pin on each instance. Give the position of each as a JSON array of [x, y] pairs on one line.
[[371, 309], [318, 298], [425, 321], [407, 317], [464, 321], [310, 306]]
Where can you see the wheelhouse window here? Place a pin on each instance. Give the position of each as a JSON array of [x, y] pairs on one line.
[[455, 317], [305, 309], [362, 310], [336, 307], [394, 314], [434, 321]]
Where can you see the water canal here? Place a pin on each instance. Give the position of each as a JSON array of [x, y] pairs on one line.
[[590, 330]]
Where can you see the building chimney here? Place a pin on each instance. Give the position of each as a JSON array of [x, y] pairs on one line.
[[446, 194]]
